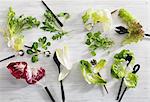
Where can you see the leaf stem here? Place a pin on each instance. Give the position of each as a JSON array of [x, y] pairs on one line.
[[61, 83]]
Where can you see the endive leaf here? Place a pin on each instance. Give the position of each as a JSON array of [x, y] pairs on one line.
[[64, 59], [63, 74]]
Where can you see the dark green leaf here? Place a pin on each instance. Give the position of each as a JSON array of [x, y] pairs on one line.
[[35, 46], [40, 39], [44, 39], [34, 58], [88, 42], [48, 44], [89, 35], [97, 34], [30, 52], [93, 53]]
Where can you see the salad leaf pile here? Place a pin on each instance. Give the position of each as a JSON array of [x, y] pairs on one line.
[[88, 74], [34, 50], [135, 29], [93, 17], [15, 26], [95, 40], [118, 70], [50, 24]]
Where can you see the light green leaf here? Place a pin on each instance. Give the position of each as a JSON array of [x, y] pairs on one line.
[[34, 58], [93, 17], [131, 80], [123, 55], [88, 75], [15, 26], [117, 70], [101, 64], [64, 15], [95, 79]]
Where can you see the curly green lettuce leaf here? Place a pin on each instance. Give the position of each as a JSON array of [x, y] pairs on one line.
[[15, 26], [101, 64], [131, 80], [93, 17], [122, 56], [135, 29], [135, 34], [89, 76], [118, 70]]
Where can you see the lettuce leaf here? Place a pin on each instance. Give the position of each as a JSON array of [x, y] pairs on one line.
[[15, 26], [131, 80], [89, 76], [135, 29], [101, 64], [93, 17], [123, 55], [117, 69]]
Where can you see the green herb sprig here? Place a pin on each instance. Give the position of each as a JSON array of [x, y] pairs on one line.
[[50, 24], [34, 50], [96, 40]]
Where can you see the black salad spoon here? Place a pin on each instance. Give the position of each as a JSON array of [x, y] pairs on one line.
[[20, 53], [122, 30], [135, 70], [128, 58], [94, 62], [58, 21], [61, 83]]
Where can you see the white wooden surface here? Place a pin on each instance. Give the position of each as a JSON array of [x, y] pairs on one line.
[[76, 89]]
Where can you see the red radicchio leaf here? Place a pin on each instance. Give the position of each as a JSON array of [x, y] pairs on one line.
[[21, 70], [17, 69], [33, 75]]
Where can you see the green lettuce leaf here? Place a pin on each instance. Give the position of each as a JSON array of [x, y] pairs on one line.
[[101, 64], [89, 76], [15, 26], [123, 55], [131, 80], [92, 17], [118, 70]]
